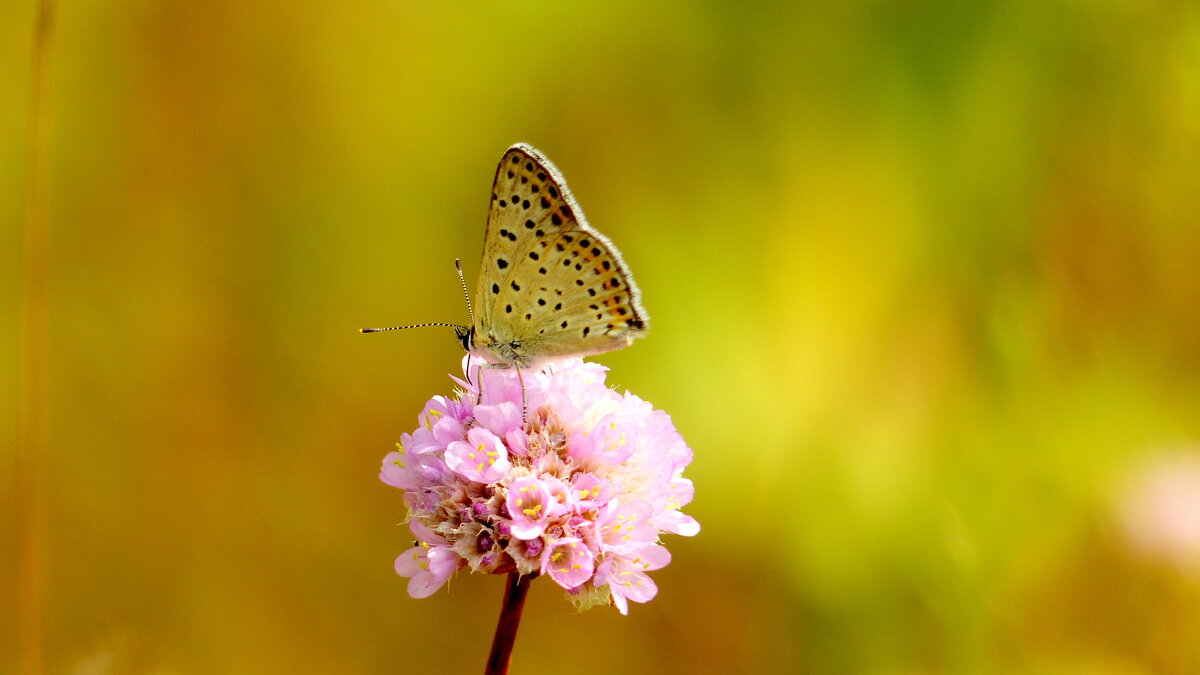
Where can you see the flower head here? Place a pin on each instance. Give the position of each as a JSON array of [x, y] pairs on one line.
[[1161, 509], [579, 488]]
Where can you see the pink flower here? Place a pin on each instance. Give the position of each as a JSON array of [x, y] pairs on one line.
[[627, 528], [529, 503], [428, 564], [626, 576], [579, 488], [569, 562], [481, 458], [1161, 509]]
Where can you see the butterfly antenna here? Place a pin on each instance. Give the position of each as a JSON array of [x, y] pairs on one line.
[[417, 325], [461, 280]]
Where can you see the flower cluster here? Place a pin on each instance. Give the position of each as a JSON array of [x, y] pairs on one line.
[[1161, 509], [548, 472]]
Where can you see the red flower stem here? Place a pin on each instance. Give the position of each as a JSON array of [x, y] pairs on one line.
[[506, 627]]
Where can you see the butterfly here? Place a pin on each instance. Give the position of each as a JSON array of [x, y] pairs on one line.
[[549, 285]]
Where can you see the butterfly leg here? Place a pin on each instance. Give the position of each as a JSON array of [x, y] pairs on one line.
[[478, 380], [524, 415], [479, 386]]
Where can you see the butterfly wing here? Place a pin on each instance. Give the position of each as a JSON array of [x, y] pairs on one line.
[[549, 285]]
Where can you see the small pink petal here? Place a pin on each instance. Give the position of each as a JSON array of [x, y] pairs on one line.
[[481, 458], [395, 474], [677, 523], [517, 442], [499, 418], [529, 503], [653, 557], [427, 568], [627, 528], [569, 562], [591, 491], [625, 580], [561, 500], [424, 534]]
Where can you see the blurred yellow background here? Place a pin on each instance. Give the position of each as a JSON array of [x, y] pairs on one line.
[[925, 288]]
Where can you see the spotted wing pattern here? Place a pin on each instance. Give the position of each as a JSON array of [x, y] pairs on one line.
[[549, 285]]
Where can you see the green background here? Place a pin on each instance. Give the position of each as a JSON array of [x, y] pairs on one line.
[[925, 296]]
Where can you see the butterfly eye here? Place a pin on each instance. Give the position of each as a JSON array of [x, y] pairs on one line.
[[464, 336]]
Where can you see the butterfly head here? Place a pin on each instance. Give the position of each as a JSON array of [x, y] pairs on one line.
[[466, 335]]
